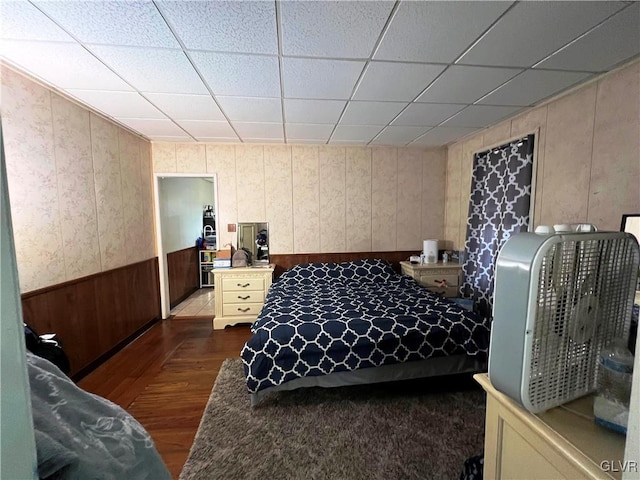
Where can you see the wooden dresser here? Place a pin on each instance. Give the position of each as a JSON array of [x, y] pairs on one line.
[[561, 443], [240, 294], [443, 278]]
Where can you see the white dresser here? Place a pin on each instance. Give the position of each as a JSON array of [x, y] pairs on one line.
[[561, 443], [443, 278], [240, 294]]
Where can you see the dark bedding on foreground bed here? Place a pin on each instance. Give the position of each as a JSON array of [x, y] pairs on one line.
[[324, 318], [83, 436]]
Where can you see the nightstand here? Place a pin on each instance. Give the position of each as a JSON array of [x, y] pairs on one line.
[[443, 278], [240, 294]]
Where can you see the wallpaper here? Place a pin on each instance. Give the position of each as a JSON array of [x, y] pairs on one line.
[[250, 162], [221, 160], [333, 175], [32, 180], [278, 203], [409, 208], [434, 174], [74, 172], [358, 199], [384, 199], [80, 203], [588, 146], [323, 199], [306, 199]]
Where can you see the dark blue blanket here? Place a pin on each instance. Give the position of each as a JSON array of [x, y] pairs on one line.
[[323, 318]]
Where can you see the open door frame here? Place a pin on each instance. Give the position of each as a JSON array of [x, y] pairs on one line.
[[165, 302]]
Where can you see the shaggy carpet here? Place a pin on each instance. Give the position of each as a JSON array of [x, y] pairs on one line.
[[418, 429]]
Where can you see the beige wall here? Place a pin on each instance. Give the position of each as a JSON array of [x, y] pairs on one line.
[[79, 186], [321, 199], [588, 157]]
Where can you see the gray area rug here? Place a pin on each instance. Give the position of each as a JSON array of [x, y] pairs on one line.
[[418, 429]]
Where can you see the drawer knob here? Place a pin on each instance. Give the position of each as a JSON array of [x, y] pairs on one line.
[[441, 283], [244, 310], [246, 297], [243, 285]]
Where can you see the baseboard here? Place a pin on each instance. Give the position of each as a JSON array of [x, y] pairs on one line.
[[83, 372]]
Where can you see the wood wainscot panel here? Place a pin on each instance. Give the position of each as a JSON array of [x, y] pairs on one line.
[[182, 271], [285, 261], [95, 316]]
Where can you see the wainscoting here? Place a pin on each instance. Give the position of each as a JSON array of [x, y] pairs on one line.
[[183, 271], [286, 261], [96, 315]]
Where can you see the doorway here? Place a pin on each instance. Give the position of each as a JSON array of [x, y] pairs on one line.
[[180, 202]]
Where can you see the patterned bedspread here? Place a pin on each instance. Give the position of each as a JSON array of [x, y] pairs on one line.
[[323, 318]]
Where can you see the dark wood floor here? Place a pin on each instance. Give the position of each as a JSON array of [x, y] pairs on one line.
[[164, 379]]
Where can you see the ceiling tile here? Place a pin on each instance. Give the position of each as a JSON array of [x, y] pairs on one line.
[[436, 31], [207, 128], [186, 107], [532, 30], [248, 27], [136, 23], [531, 86], [607, 45], [426, 114], [248, 130], [247, 109], [152, 70], [64, 65], [398, 135], [463, 84], [332, 29], [479, 116], [318, 78], [356, 134], [346, 143], [301, 131], [239, 75], [218, 139], [265, 140], [438, 136], [161, 138], [313, 111], [118, 104], [22, 21], [371, 113], [395, 81], [153, 128]]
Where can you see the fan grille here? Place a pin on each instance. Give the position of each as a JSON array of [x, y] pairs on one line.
[[583, 303]]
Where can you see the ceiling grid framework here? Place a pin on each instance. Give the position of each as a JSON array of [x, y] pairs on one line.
[[395, 73]]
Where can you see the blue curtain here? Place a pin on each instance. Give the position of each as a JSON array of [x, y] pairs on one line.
[[498, 208]]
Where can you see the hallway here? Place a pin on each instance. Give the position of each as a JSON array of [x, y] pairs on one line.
[[199, 304]]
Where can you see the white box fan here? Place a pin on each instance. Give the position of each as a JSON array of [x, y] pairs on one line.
[[558, 299]]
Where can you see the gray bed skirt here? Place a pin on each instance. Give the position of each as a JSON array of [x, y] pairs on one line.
[[431, 367]]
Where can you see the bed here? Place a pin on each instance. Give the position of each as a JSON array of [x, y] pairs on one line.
[[335, 324]]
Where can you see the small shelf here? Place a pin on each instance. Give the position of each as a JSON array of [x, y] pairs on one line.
[[205, 262]]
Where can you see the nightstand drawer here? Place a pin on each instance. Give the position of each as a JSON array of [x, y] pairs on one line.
[[240, 284], [446, 291], [250, 296], [437, 280], [241, 309]]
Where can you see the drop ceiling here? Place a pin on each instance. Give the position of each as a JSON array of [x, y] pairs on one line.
[[378, 73]]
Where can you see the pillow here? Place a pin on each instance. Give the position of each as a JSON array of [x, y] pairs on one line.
[[374, 270], [371, 270], [311, 272]]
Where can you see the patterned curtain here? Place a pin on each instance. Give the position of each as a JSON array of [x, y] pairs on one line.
[[498, 207]]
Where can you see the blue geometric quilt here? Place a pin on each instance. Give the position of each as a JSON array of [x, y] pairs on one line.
[[333, 317]]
